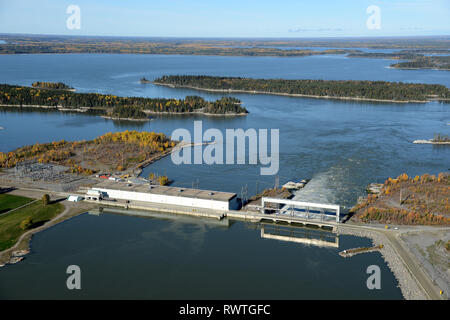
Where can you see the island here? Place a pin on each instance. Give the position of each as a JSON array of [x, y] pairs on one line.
[[380, 91], [426, 62], [51, 85], [113, 106], [58, 167], [119, 151], [403, 54], [438, 139], [145, 80]]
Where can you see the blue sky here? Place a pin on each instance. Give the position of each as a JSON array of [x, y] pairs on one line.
[[227, 18]]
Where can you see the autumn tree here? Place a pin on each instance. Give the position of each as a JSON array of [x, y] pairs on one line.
[[46, 199], [26, 223]]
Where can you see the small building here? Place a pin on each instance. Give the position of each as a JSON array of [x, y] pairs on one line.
[[75, 198], [93, 195], [187, 197]]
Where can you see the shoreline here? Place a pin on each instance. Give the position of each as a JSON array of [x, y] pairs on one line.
[[137, 170], [409, 68], [431, 142], [294, 94], [86, 109], [126, 119], [44, 88], [56, 108], [198, 113], [22, 247], [408, 287], [407, 279]]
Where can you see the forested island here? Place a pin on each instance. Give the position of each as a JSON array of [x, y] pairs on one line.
[[416, 59], [51, 85], [404, 54], [344, 89], [426, 62], [114, 106]]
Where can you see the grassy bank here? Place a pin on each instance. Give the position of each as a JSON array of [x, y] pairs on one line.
[[10, 223], [9, 202]]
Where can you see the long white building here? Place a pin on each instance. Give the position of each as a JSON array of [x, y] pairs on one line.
[[164, 195]]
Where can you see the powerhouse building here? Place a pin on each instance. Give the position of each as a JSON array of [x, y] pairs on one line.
[[164, 195]]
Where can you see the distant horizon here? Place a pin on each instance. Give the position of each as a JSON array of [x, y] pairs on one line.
[[231, 19], [227, 37]]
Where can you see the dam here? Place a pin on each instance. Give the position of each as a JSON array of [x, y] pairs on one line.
[[211, 204]]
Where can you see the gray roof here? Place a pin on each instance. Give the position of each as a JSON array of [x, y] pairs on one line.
[[165, 190]]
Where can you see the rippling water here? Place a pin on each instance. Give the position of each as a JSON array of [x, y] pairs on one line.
[[341, 146]]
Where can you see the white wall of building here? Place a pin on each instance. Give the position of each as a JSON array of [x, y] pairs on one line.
[[174, 200]]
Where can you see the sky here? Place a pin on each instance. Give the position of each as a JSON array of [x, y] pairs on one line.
[[228, 18]]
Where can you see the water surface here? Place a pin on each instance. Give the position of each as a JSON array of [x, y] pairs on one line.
[[123, 257], [342, 146]]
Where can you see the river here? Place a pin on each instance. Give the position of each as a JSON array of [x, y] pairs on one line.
[[342, 146]]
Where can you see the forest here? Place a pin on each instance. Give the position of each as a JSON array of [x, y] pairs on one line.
[[370, 90], [419, 200], [123, 107], [128, 112], [403, 54], [111, 151]]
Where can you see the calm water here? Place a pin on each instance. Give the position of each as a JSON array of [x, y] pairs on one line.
[[128, 257], [341, 146]]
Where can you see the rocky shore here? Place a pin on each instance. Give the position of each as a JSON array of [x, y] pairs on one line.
[[16, 256], [407, 284], [430, 142]]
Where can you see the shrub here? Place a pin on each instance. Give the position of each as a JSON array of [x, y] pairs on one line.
[[26, 223], [45, 199], [163, 180]]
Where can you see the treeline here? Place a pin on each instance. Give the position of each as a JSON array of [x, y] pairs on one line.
[[441, 138], [374, 90], [76, 44], [38, 44], [433, 62], [51, 85], [131, 112], [120, 106], [383, 55]]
